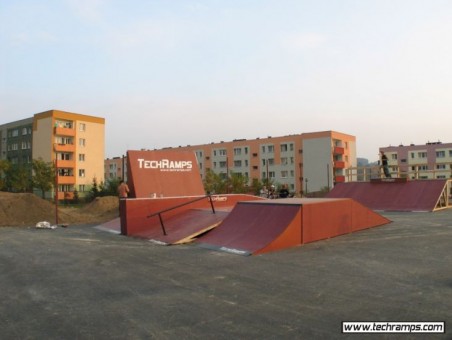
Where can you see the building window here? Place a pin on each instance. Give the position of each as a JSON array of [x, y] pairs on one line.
[[82, 127], [284, 161], [421, 167], [270, 148], [271, 161], [291, 146], [223, 164], [283, 147], [441, 166], [440, 154], [24, 131], [271, 174], [237, 151], [237, 164], [394, 156], [82, 142], [222, 152], [81, 157], [81, 173], [422, 154], [246, 150], [81, 188], [284, 174]]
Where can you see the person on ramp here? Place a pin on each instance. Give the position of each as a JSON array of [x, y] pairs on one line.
[[384, 163]]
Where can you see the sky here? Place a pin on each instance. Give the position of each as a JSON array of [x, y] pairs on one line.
[[169, 73]]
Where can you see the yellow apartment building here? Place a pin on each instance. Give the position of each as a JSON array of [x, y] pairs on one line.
[[75, 143]]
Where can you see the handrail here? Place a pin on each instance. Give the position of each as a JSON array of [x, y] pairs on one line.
[[159, 213], [365, 173]]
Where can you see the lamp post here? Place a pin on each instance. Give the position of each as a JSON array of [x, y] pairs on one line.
[[306, 186], [56, 185], [266, 163]]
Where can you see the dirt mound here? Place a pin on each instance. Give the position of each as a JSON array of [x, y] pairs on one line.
[[24, 209], [28, 209], [102, 205]]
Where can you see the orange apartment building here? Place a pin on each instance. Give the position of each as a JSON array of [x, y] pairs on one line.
[[306, 162], [75, 143]]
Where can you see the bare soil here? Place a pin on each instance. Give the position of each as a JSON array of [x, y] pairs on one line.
[[25, 209]]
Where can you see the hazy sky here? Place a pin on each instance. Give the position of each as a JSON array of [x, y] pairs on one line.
[[170, 73]]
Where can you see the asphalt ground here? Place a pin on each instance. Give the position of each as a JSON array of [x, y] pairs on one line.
[[83, 283]]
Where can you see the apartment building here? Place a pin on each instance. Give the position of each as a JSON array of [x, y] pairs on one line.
[[16, 140], [428, 161], [306, 162], [115, 168], [74, 142]]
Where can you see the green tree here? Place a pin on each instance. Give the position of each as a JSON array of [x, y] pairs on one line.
[[20, 177], [238, 184], [213, 183], [94, 191], [5, 165], [111, 187], [43, 175], [256, 186], [76, 197]]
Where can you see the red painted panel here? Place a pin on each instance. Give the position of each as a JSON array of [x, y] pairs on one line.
[[326, 218], [154, 174]]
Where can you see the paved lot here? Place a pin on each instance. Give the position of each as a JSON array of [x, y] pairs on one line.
[[84, 283]]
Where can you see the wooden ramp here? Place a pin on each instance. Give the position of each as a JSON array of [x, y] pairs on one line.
[[263, 226], [386, 195]]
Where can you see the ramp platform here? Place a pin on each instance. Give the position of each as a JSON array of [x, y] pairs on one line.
[[257, 227], [417, 195]]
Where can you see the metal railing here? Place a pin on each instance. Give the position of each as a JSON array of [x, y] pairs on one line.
[[366, 173], [159, 213]]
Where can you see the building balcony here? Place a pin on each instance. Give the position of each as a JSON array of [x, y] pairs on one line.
[[61, 131], [65, 147], [66, 180], [339, 179], [66, 164], [65, 195], [338, 150], [339, 164]]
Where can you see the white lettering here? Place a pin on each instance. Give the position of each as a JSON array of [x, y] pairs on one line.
[[165, 165]]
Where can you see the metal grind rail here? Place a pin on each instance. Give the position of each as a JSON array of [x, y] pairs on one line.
[[159, 213]]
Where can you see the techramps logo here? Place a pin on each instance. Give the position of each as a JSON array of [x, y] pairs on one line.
[[165, 165]]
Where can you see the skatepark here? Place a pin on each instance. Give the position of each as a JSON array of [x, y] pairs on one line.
[[322, 263]]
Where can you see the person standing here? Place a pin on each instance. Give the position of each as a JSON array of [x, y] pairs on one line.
[[123, 192], [384, 163], [123, 189]]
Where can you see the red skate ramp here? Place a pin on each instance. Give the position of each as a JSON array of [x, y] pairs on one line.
[[418, 195], [182, 228], [262, 226], [183, 218]]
